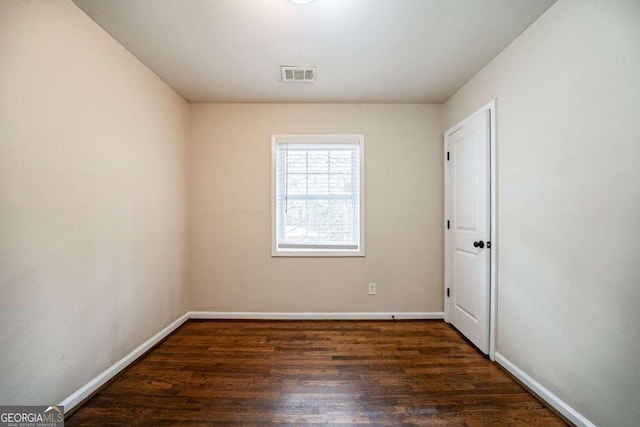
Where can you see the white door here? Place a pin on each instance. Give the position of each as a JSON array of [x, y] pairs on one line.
[[468, 233]]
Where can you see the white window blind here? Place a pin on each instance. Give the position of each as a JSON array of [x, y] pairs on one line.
[[318, 200]]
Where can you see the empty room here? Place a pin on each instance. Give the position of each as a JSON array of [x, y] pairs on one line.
[[320, 212]]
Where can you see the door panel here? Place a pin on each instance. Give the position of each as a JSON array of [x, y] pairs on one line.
[[467, 291], [465, 154], [468, 196]]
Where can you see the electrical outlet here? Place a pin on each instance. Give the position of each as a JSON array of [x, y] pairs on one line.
[[372, 288]]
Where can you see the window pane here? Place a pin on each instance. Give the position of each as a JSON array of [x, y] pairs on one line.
[[341, 184], [295, 219], [296, 161], [296, 184], [342, 162], [318, 161], [319, 184], [317, 221]]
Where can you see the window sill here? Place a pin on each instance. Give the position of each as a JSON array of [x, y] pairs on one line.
[[316, 253]]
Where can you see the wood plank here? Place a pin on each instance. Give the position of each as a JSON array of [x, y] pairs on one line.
[[314, 372]]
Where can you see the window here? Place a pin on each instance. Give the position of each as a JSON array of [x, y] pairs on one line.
[[317, 195]]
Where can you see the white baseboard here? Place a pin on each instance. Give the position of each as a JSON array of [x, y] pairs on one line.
[[558, 404], [93, 385], [314, 315]]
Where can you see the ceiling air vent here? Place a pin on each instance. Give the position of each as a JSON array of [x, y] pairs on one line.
[[298, 74]]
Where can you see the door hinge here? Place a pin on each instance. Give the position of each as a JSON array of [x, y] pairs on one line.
[[448, 225], [448, 156], [447, 292]]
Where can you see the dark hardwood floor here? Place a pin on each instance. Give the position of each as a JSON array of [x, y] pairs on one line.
[[314, 372]]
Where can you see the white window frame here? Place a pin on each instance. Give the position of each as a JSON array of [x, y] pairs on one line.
[[315, 139]]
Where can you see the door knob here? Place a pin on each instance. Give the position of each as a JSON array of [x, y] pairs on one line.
[[479, 244]]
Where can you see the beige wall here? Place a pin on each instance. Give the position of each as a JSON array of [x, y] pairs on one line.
[[230, 238], [568, 113], [93, 202]]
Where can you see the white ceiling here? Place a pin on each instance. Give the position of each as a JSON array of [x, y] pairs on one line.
[[364, 50]]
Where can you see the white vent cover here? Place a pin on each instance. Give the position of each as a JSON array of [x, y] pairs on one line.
[[298, 74]]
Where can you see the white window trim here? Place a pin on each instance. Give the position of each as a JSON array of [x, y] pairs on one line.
[[311, 139]]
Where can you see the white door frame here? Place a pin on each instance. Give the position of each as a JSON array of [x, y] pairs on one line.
[[493, 263]]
